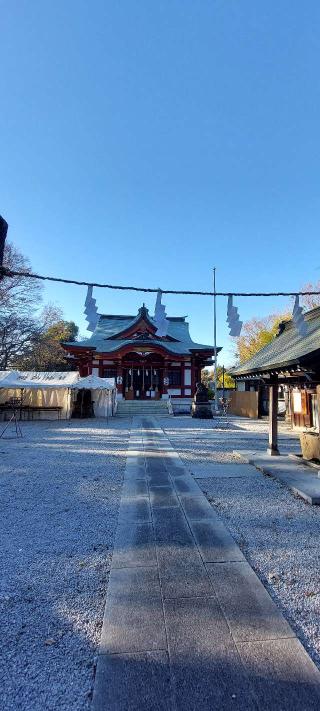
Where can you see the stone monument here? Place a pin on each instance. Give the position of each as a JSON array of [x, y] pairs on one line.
[[201, 406]]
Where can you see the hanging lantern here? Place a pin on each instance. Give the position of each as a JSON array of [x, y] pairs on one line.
[[233, 320]]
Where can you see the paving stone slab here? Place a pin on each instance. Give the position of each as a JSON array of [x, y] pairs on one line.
[[181, 568], [204, 660], [224, 471], [134, 583], [161, 496], [197, 508], [134, 487], [167, 483], [159, 478], [134, 471], [282, 675], [186, 485], [132, 627], [171, 527], [135, 461], [182, 572], [134, 474], [133, 619], [134, 545], [176, 472], [135, 509], [156, 468], [128, 682], [215, 543], [185, 579], [308, 492], [195, 625], [175, 466], [297, 477], [248, 607]]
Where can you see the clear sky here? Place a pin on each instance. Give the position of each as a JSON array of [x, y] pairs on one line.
[[145, 141]]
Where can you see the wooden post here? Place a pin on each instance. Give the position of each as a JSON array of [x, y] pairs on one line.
[[273, 419], [193, 377], [287, 399]]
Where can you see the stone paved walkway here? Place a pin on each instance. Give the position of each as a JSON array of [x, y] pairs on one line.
[[188, 625], [297, 476]]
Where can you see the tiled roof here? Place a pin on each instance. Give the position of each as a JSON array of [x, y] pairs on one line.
[[104, 338], [288, 348]]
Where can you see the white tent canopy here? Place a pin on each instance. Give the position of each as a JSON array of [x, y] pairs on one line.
[[28, 379], [53, 389], [93, 382], [102, 392]]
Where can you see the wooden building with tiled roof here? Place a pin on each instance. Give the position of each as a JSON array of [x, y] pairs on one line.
[[144, 364], [290, 360]]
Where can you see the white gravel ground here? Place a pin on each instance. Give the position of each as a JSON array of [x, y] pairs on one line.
[[278, 533], [59, 494]]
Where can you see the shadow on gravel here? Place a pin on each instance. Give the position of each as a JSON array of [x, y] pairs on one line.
[[59, 511]]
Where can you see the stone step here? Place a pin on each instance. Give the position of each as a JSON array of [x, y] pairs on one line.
[[142, 406], [120, 409], [130, 408]]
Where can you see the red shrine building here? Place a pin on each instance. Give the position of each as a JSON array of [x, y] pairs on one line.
[[144, 364]]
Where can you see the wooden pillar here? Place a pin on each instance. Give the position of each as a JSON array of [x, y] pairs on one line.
[[287, 399], [193, 378], [273, 419]]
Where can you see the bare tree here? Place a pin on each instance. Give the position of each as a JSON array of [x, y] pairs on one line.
[[19, 299], [29, 340], [310, 301], [17, 334], [18, 294]]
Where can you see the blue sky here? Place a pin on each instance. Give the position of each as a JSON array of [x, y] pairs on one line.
[[145, 142]]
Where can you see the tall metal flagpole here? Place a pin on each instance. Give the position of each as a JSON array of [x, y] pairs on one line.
[[215, 340]]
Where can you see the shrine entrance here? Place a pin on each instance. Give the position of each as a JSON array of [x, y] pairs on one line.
[[142, 377]]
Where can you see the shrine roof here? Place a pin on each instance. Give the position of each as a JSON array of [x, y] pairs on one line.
[[288, 347], [107, 335]]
